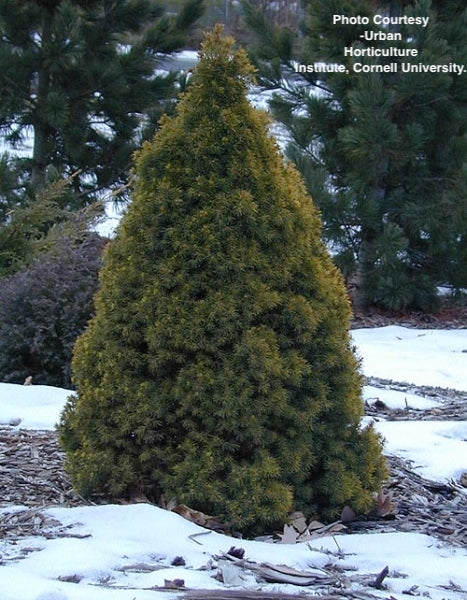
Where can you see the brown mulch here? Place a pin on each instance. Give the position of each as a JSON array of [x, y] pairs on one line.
[[32, 470], [452, 315], [452, 403]]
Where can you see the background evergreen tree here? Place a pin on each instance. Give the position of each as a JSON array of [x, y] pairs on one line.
[[383, 154], [218, 368], [79, 78]]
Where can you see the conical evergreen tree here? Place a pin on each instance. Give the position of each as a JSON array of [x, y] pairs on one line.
[[218, 368]]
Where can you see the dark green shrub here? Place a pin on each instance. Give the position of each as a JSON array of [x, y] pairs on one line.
[[43, 309], [218, 368]]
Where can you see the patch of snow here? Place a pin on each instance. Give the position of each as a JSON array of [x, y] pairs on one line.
[[31, 406], [430, 357], [436, 449], [397, 400]]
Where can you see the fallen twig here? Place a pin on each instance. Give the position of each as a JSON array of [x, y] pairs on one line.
[[195, 535], [378, 582]]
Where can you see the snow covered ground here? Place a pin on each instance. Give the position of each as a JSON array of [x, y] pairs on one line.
[[107, 565]]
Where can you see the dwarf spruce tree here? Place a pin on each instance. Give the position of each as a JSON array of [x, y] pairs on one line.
[[218, 368]]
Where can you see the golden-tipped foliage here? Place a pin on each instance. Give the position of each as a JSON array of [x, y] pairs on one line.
[[219, 368]]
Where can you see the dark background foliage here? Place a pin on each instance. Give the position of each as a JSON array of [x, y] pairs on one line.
[[81, 79], [43, 309], [383, 154]]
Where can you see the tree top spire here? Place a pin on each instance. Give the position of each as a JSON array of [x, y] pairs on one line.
[[222, 67]]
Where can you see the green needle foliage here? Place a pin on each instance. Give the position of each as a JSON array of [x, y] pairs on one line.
[[383, 154], [218, 368], [78, 77]]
